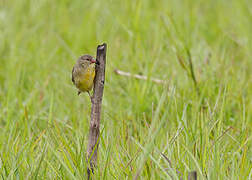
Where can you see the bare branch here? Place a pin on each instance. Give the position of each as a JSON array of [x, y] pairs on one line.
[[137, 76]]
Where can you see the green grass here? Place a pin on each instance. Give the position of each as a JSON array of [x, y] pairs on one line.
[[44, 124]]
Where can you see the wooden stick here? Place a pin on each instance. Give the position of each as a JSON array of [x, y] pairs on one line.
[[137, 76], [96, 99]]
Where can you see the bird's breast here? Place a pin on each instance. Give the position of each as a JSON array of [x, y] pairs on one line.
[[86, 79]]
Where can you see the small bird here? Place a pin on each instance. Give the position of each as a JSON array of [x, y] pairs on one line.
[[83, 73]]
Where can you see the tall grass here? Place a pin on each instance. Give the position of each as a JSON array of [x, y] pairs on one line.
[[149, 131]]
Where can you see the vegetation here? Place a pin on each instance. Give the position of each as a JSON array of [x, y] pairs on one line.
[[203, 125]]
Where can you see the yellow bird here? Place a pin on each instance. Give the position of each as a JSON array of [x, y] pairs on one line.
[[83, 73]]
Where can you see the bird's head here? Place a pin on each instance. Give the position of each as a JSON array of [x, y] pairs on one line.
[[86, 60]]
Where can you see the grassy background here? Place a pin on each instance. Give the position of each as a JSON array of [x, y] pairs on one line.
[[44, 124]]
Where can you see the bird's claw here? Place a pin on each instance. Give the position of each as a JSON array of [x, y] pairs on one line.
[[97, 62]]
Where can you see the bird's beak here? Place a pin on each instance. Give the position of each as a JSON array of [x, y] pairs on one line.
[[93, 60]]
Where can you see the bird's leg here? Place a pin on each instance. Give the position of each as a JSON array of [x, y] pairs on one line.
[[91, 98]]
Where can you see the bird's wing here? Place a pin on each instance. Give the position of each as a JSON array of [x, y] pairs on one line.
[[73, 75]]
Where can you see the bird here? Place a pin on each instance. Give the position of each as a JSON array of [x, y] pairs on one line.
[[83, 73]]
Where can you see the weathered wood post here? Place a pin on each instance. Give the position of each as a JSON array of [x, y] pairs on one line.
[[96, 99]]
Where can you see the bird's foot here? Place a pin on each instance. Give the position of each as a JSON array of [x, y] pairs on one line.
[[90, 96]]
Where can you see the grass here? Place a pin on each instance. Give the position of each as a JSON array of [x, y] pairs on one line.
[[44, 124]]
